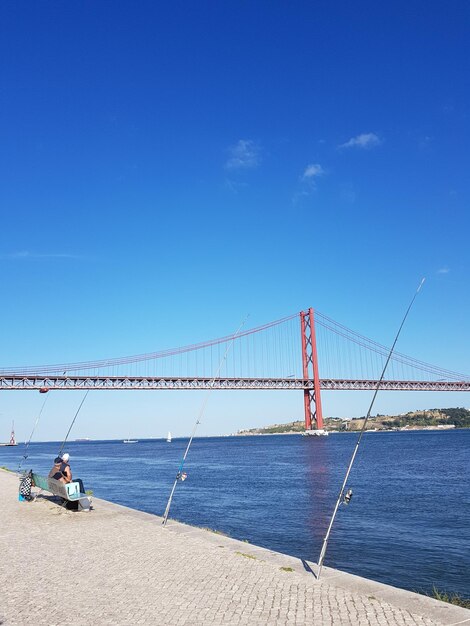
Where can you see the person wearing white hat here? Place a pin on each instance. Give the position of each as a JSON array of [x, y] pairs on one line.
[[65, 467], [67, 472]]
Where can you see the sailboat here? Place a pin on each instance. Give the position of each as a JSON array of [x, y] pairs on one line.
[[12, 441], [169, 437]]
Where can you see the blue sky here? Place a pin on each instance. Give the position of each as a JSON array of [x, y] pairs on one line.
[[166, 169]]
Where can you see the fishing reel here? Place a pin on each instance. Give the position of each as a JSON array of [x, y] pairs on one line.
[[347, 496]]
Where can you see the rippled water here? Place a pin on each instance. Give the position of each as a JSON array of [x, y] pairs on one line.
[[407, 525]]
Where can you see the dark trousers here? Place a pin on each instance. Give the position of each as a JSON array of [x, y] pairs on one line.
[[80, 482]]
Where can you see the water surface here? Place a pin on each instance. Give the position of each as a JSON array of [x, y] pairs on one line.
[[407, 524]]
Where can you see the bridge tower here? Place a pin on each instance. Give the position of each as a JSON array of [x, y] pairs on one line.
[[312, 399]]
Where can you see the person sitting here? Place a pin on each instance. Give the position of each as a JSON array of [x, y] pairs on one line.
[[56, 472], [67, 472]]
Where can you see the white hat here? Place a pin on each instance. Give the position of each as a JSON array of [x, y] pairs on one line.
[[65, 457]]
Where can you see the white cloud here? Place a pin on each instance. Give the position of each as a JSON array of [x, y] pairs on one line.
[[309, 179], [299, 196], [365, 141], [347, 194], [24, 254], [312, 171], [443, 270], [245, 154], [234, 185]]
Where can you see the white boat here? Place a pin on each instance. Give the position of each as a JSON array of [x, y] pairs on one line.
[[316, 433], [169, 437], [130, 441]]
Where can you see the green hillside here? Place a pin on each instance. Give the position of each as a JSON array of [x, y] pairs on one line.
[[428, 418]]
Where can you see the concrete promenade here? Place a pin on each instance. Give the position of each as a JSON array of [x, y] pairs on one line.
[[118, 566]]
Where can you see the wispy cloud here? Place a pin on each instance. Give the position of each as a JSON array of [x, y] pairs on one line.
[[364, 141], [347, 193], [25, 254], [313, 171], [426, 141], [245, 154], [234, 185], [299, 196], [443, 270]]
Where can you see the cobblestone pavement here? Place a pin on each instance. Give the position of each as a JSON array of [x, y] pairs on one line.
[[118, 566]]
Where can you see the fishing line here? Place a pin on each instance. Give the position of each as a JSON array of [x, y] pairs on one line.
[[179, 473], [73, 422], [25, 454], [349, 493]]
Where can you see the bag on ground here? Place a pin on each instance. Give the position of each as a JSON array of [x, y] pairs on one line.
[[26, 482]]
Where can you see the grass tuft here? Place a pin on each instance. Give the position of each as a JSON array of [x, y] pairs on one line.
[[450, 598], [247, 556]]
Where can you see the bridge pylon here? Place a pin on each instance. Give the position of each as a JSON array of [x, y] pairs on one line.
[[312, 399]]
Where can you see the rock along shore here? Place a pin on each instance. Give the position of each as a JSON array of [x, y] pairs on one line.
[[119, 566]]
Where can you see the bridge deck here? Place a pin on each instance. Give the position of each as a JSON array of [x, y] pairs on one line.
[[25, 382]]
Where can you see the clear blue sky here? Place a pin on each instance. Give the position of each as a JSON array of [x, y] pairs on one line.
[[167, 168]]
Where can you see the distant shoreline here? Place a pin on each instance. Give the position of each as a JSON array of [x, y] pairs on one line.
[[263, 434], [342, 432]]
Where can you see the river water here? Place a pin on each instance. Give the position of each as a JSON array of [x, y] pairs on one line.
[[407, 524]]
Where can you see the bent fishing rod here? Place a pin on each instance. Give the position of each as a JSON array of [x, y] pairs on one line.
[[73, 422], [179, 473], [25, 453], [348, 471]]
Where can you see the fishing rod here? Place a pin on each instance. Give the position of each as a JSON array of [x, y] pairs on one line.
[[348, 495], [25, 453], [179, 473], [73, 422]]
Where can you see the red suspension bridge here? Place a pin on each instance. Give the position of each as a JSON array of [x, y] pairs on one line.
[[308, 352]]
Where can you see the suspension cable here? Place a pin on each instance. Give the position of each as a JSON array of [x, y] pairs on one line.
[[86, 365]]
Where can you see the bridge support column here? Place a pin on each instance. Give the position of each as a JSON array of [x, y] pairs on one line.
[[312, 399]]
